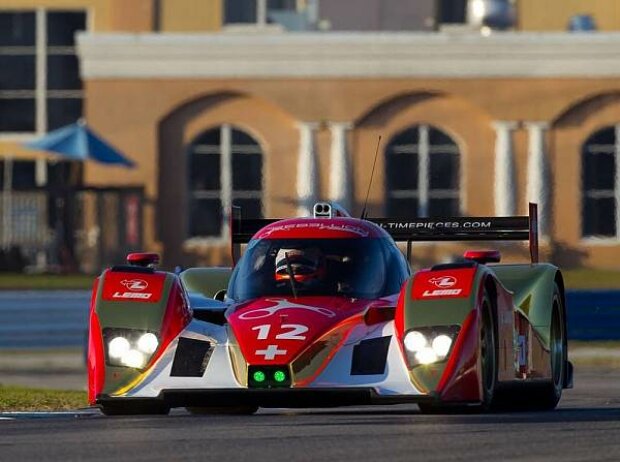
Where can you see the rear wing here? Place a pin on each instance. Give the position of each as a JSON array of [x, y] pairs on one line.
[[517, 228]]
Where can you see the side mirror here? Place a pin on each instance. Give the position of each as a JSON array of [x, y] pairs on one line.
[[220, 295]]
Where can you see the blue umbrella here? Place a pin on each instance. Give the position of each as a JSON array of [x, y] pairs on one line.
[[78, 142]]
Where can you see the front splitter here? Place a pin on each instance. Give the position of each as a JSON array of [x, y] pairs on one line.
[[288, 397]]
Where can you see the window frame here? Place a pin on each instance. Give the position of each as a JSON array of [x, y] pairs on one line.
[[593, 239], [41, 50], [226, 193], [424, 193], [262, 16]]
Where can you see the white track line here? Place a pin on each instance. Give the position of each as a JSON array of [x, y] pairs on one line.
[[45, 415]]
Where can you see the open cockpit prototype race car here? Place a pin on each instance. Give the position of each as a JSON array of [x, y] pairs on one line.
[[325, 311]]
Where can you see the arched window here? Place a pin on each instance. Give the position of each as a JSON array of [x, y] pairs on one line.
[[422, 174], [601, 183], [225, 168]]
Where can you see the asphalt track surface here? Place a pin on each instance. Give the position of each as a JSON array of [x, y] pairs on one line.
[[586, 427]]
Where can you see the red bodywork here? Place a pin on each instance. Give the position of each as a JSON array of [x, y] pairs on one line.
[[275, 330], [333, 228], [96, 361]]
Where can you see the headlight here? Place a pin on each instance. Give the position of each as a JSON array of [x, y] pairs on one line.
[[133, 358], [429, 345], [148, 343], [441, 345], [415, 341], [129, 347], [117, 347]]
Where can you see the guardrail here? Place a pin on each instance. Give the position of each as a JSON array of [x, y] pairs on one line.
[[43, 319], [593, 314], [48, 319]]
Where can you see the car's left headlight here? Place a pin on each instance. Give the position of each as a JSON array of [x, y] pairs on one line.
[[429, 345], [129, 347]]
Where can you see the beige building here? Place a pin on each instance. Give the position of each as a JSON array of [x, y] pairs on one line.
[[469, 124], [271, 121]]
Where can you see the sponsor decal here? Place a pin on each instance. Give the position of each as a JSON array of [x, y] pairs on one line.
[[443, 281], [409, 225], [135, 284], [443, 284], [441, 292], [132, 295], [281, 304], [316, 226], [120, 286]]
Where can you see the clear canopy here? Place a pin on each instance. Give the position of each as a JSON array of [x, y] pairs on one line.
[[356, 268]]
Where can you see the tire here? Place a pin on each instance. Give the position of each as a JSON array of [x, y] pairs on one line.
[[236, 410], [156, 408], [488, 355], [546, 397]]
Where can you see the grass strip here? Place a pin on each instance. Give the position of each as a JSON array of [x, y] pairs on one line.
[[16, 281], [15, 398]]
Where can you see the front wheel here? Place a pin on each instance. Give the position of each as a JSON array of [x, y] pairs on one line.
[[548, 396], [488, 356]]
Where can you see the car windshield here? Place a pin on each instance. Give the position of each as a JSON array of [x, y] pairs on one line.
[[354, 268]]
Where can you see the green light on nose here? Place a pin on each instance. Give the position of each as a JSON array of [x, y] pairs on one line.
[[258, 376], [279, 376]]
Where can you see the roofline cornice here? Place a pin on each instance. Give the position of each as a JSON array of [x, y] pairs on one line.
[[350, 55]]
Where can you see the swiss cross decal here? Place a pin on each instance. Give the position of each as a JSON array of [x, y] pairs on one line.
[[270, 352]]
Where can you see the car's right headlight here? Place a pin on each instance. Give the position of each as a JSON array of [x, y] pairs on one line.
[[429, 345], [129, 347]]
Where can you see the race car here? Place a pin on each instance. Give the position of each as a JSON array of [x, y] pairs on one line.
[[325, 311]]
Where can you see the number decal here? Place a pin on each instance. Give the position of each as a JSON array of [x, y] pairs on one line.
[[294, 333], [263, 331]]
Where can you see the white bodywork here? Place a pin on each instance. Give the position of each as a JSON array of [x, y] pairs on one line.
[[219, 373]]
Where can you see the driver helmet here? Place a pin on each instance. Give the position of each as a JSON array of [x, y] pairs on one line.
[[306, 264]]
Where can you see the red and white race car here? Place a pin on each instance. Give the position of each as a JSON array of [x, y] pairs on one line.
[[324, 311]]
